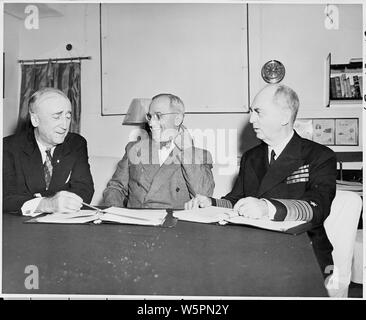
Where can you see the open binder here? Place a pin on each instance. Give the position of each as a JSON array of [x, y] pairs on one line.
[[228, 216], [110, 215]]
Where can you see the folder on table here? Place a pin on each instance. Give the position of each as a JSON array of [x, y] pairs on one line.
[[110, 215], [229, 216]]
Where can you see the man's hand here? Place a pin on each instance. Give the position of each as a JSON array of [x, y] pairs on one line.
[[250, 207], [62, 201], [198, 201]]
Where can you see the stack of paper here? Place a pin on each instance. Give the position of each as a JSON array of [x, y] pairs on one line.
[[205, 215], [112, 214]]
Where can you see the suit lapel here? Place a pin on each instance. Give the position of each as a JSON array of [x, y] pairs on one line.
[[145, 156], [32, 163], [289, 160], [164, 172], [59, 164], [259, 164]]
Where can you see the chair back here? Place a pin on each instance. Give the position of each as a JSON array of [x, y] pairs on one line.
[[341, 228]]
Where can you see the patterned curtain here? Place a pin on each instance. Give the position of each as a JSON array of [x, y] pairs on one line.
[[63, 76]]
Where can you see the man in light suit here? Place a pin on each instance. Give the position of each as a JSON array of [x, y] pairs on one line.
[[45, 168], [286, 177], [163, 169]]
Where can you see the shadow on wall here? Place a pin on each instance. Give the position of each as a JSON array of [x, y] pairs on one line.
[[247, 139]]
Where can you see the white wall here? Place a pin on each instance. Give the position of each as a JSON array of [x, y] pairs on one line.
[[12, 74], [80, 26], [296, 36], [301, 44]]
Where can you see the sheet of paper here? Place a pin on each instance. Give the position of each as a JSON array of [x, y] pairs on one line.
[[81, 216], [266, 223], [224, 215], [205, 215], [134, 216]]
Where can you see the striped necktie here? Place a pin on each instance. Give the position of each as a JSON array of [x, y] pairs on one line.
[[47, 167]]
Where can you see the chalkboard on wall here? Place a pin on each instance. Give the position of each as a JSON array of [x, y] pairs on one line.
[[196, 51]]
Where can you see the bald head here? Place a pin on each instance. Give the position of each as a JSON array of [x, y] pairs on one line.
[[273, 113], [282, 96], [174, 102]]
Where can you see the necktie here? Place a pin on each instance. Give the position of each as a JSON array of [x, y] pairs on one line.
[[273, 154], [47, 167]]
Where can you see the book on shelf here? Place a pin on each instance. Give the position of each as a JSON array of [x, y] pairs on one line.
[[333, 88], [338, 87], [348, 88], [355, 60], [343, 85], [225, 216], [360, 85], [110, 215], [356, 83]]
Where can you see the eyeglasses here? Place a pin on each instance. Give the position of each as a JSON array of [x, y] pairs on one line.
[[158, 115]]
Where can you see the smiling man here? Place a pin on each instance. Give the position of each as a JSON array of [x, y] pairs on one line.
[[163, 169], [46, 169], [286, 177]]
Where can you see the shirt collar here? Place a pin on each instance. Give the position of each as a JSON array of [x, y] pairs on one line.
[[164, 152], [279, 147], [43, 149]]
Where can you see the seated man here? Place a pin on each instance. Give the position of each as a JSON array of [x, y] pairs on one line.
[[286, 177], [162, 169], [46, 169]]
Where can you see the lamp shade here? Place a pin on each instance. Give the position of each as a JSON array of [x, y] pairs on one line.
[[137, 111]]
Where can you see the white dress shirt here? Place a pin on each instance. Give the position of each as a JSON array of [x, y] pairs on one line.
[[29, 207], [164, 153]]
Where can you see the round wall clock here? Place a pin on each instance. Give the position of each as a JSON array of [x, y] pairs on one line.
[[273, 71]]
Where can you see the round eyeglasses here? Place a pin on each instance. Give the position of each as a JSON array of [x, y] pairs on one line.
[[157, 115]]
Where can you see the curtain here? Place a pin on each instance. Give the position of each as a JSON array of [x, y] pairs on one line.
[[63, 76]]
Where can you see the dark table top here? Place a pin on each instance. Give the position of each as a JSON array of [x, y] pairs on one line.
[[190, 259]]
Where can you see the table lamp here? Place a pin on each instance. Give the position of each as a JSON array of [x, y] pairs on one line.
[[137, 111]]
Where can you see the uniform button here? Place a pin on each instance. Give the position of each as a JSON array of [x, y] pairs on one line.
[[177, 189]]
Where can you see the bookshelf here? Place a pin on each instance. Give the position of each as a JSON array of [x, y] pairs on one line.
[[344, 83]]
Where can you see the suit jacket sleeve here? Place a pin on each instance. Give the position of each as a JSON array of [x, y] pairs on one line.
[[116, 192], [238, 190], [13, 198], [81, 181], [320, 191], [197, 171]]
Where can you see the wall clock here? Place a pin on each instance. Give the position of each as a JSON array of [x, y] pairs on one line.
[[273, 71]]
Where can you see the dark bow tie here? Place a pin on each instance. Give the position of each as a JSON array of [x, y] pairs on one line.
[[165, 144]]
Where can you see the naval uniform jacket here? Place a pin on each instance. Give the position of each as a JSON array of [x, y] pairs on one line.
[[301, 182]]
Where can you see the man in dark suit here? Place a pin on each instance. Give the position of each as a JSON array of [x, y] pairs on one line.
[[286, 177], [45, 168], [162, 169]]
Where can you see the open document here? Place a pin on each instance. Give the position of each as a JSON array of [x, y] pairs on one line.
[[224, 216], [111, 215]]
